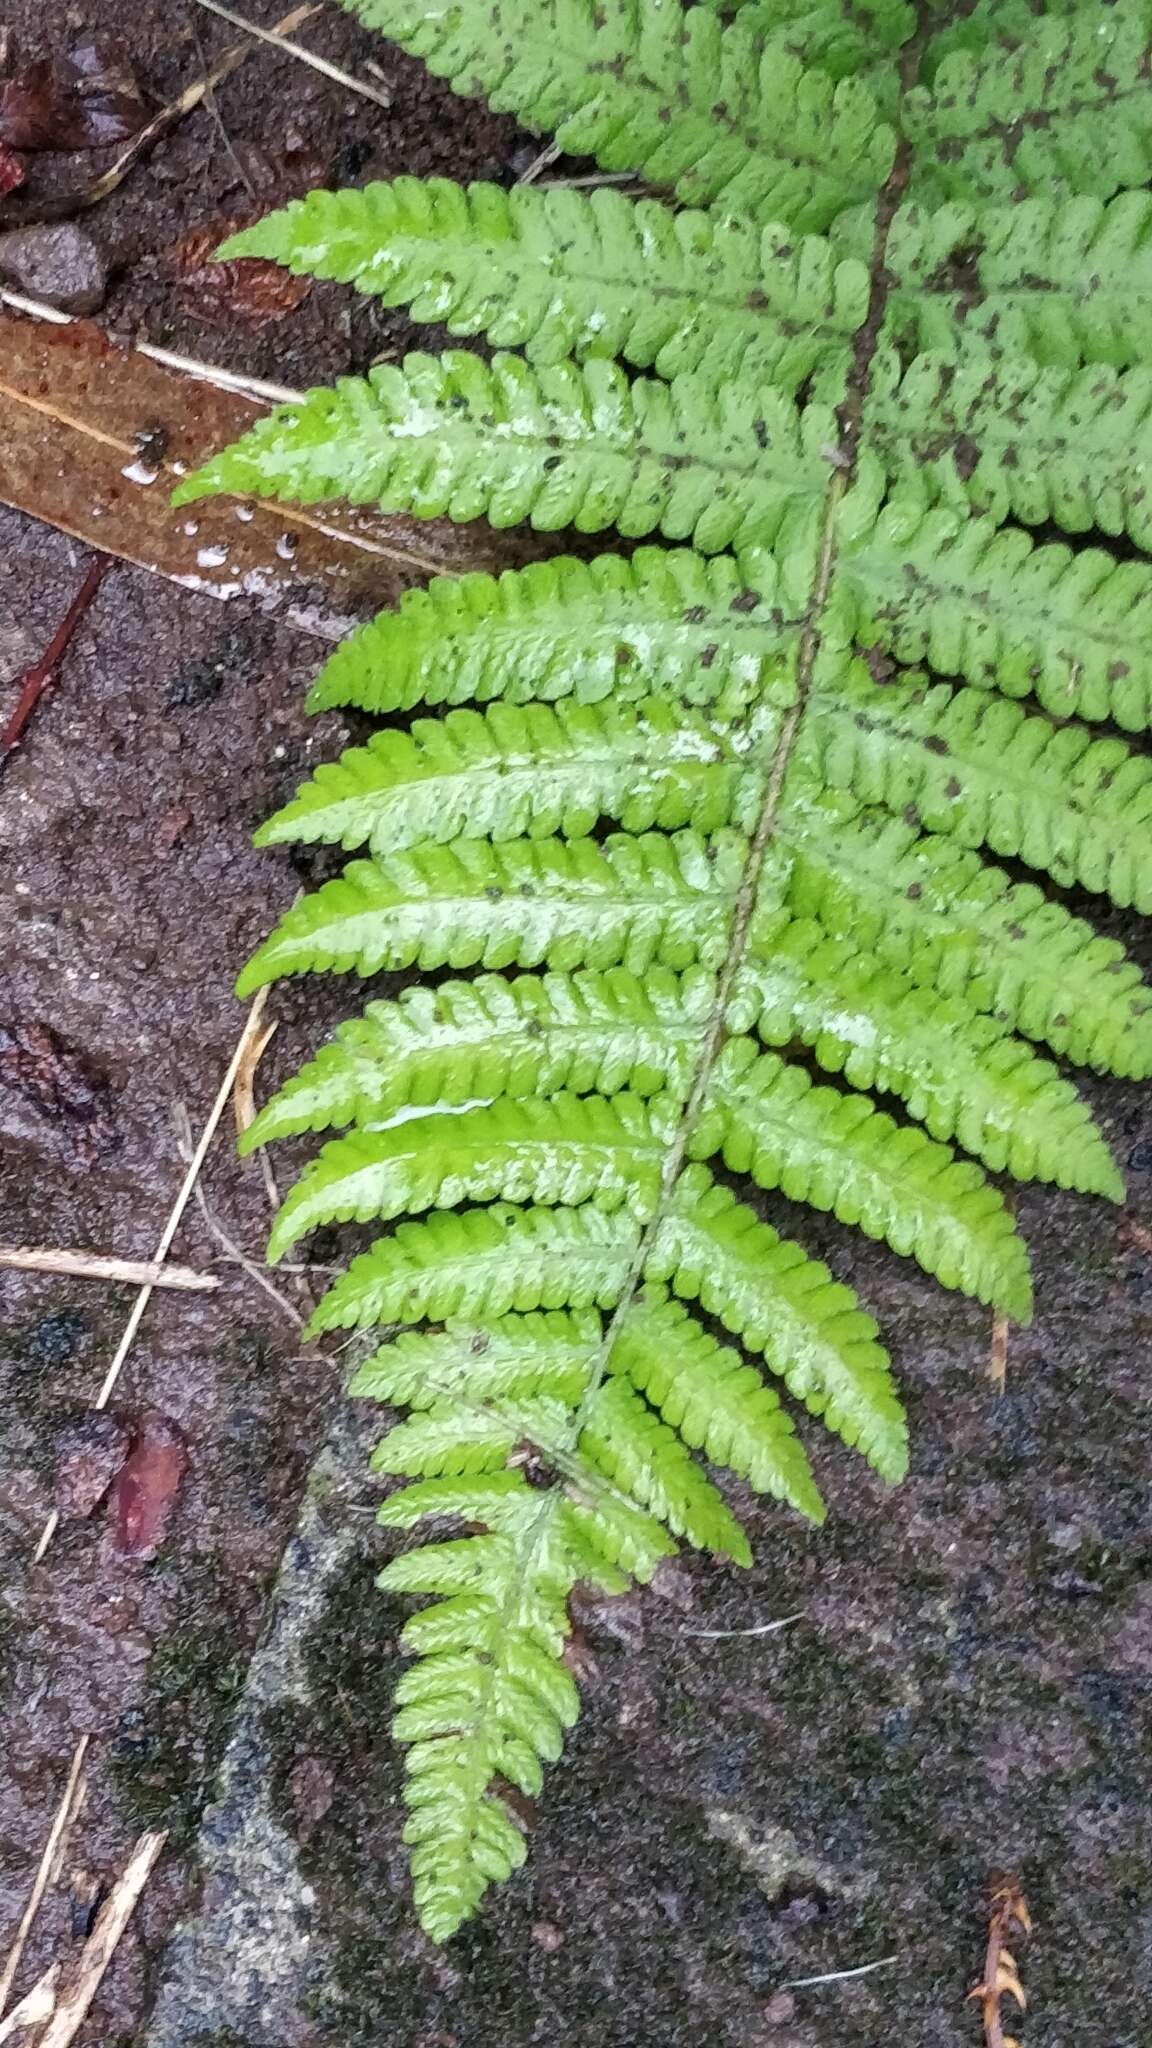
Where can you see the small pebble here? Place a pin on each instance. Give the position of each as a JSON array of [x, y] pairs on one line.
[[61, 264]]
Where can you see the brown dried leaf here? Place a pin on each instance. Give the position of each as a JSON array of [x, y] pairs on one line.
[[246, 288], [75, 412], [81, 99], [11, 170]]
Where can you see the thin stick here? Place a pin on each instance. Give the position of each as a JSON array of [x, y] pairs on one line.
[[102, 1943], [250, 1031], [763, 1628], [38, 2005], [840, 1976], [26, 1258], [549, 155], [229, 1244], [368, 92], [35, 680], [56, 1833]]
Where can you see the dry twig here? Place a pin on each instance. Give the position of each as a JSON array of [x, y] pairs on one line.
[[101, 1945], [273, 36], [38, 2005], [244, 1107], [228, 1244], [62, 1821], [26, 1258], [35, 680], [252, 1027], [1009, 1920]]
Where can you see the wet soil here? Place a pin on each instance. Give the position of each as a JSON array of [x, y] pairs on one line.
[[968, 1685]]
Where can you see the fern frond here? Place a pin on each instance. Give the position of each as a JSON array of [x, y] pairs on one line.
[[519, 1357], [703, 788], [987, 23], [989, 775], [490, 1698], [810, 1330], [728, 116], [959, 925], [708, 632], [1063, 106], [1066, 281], [570, 1149], [628, 902], [717, 1402], [563, 273], [481, 1263], [1012, 438], [964, 1075], [839, 1152], [562, 445], [1071, 628], [646, 1461], [470, 1041], [509, 772]]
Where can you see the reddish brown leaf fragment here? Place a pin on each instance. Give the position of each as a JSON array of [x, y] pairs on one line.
[[11, 170], [83, 99], [245, 288], [146, 1487]]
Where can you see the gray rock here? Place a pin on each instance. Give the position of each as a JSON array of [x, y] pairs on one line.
[[60, 264]]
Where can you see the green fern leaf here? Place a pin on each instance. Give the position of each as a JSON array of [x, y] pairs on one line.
[[1066, 281], [1070, 628], [785, 1306], [646, 1461], [470, 1041], [1064, 106], [963, 1075], [520, 1357], [629, 901], [717, 1402], [507, 772], [571, 1149], [989, 775], [558, 446], [713, 632], [960, 926], [481, 1263], [1010, 437], [840, 1152], [728, 116], [579, 274]]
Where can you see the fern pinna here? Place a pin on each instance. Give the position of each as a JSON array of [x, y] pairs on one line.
[[706, 831]]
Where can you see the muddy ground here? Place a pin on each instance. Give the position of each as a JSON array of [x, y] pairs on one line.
[[968, 1683]]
